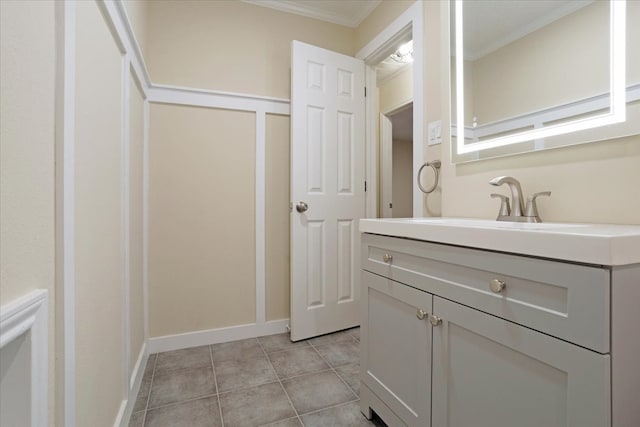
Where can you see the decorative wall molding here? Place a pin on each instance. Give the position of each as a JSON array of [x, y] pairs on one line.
[[134, 383], [165, 94], [65, 385], [29, 315], [537, 119], [117, 14], [214, 336]]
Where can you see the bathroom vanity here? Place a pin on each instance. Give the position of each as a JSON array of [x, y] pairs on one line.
[[484, 323]]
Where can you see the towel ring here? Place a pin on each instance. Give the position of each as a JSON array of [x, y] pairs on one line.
[[435, 165]]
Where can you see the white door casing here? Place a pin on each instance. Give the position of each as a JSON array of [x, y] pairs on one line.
[[386, 166], [327, 174]]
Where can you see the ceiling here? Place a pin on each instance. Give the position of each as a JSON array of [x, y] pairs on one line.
[[388, 68], [349, 13]]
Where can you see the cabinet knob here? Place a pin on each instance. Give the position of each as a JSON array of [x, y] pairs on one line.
[[387, 258], [421, 314], [497, 285], [435, 320]]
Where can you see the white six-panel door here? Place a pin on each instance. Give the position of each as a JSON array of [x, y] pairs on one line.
[[327, 179]]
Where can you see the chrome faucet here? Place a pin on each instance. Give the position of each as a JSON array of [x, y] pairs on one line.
[[519, 212]]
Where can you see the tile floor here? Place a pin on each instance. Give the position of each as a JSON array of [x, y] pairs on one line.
[[265, 381]]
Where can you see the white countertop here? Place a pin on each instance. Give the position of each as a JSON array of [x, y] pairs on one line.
[[587, 243]]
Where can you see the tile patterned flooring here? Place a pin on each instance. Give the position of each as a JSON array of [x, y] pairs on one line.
[[265, 381]]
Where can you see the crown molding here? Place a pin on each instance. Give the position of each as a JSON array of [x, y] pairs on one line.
[[305, 9]]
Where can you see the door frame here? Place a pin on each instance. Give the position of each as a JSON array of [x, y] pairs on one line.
[[386, 166], [409, 22]]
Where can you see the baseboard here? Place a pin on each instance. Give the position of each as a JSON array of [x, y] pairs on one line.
[[214, 336], [126, 408]]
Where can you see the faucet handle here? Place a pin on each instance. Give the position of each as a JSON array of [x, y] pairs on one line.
[[532, 208], [505, 209]]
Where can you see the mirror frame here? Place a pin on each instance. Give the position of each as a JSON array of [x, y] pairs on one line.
[[616, 113]]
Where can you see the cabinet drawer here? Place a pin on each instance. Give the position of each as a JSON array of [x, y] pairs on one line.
[[564, 300]]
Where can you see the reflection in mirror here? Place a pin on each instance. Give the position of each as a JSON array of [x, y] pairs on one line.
[[527, 74]]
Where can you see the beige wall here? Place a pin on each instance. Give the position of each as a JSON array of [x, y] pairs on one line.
[[27, 86], [201, 219], [231, 46], [540, 69], [402, 179], [435, 90], [277, 217], [397, 91], [378, 20], [198, 44], [99, 314], [136, 292], [590, 183]]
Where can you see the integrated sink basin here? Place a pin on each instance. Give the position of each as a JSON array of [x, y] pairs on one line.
[[600, 244]]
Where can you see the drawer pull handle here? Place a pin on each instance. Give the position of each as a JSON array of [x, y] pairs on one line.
[[387, 258], [497, 285], [435, 320], [421, 314]]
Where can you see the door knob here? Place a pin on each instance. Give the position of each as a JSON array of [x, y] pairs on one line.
[[421, 314], [302, 207], [387, 258]]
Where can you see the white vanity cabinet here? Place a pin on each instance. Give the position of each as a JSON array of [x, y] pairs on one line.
[[545, 350], [398, 343], [491, 372]]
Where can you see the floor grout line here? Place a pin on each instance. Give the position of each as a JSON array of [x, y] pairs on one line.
[[287, 349], [181, 402], [153, 374], [281, 385], [337, 405], [215, 381], [334, 369]]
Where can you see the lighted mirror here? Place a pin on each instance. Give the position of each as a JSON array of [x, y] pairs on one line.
[[536, 74]]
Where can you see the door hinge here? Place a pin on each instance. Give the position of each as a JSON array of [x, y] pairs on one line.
[[365, 91], [365, 186]]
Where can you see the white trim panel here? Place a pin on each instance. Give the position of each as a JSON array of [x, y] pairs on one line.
[[65, 386], [118, 18], [126, 407], [261, 178], [29, 314], [125, 185], [162, 94], [214, 336]]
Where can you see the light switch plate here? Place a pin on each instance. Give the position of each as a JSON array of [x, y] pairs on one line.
[[435, 133]]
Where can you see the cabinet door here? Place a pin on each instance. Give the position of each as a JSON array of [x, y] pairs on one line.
[[396, 347], [491, 372]]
